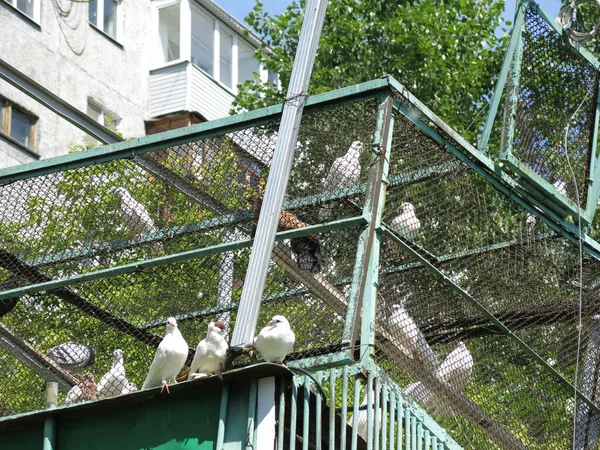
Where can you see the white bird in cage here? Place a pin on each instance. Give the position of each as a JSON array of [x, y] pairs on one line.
[[84, 390], [561, 187], [72, 357], [344, 173], [136, 218], [210, 352], [129, 387], [455, 372], [276, 340], [114, 381], [410, 338], [169, 358], [406, 224]]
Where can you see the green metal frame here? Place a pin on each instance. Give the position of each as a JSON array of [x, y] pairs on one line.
[[545, 194]]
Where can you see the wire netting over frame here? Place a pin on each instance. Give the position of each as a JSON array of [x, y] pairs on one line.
[[557, 88], [510, 262]]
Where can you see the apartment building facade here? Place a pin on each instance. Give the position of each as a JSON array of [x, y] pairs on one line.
[[138, 66]]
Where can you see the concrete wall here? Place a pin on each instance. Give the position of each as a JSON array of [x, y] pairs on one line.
[[76, 61]]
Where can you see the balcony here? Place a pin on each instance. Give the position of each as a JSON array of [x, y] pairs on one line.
[[185, 87]]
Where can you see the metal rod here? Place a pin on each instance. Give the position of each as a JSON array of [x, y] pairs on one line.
[[266, 228]]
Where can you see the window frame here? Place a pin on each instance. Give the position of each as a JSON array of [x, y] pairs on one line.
[[99, 25], [6, 116], [35, 15], [101, 119]]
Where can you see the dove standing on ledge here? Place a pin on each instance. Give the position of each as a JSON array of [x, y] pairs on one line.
[[85, 390], [129, 387], [210, 352], [72, 357], [344, 173], [169, 359], [136, 217], [113, 381], [276, 340], [407, 224]]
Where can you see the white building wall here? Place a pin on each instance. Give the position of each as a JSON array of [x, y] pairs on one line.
[[72, 59]]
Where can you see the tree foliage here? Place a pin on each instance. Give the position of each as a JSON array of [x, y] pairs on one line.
[[445, 52]]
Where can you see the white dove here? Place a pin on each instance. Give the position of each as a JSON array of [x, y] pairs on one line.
[[169, 359], [210, 352], [129, 387], [85, 390], [344, 173], [276, 340], [455, 372], [136, 217], [412, 341], [113, 381], [407, 223], [561, 187]]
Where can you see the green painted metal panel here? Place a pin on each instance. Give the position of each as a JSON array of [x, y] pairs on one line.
[[186, 422], [29, 438]]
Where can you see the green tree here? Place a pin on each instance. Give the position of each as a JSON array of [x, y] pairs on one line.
[[445, 52]]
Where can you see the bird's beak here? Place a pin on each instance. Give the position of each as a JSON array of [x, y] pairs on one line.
[[270, 323]]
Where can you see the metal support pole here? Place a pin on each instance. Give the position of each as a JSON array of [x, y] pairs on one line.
[[247, 316], [50, 423]]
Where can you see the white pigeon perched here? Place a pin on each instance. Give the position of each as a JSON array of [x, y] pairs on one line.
[[72, 357], [455, 372], [169, 359], [136, 217], [129, 387], [85, 390], [344, 173], [406, 223], [411, 339], [276, 340], [210, 352], [561, 187], [113, 381]]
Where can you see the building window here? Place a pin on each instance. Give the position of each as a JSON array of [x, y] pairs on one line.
[[168, 29], [225, 58], [103, 15], [247, 63], [17, 123], [30, 8], [101, 115], [202, 40]]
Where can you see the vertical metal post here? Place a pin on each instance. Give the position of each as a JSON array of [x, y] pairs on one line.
[[363, 296], [250, 436], [594, 171], [318, 413], [260, 256], [344, 406], [222, 416], [512, 98], [306, 413], [225, 289], [280, 419], [332, 380], [50, 423]]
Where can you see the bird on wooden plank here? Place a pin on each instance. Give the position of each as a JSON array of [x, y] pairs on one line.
[[136, 217], [169, 358], [210, 352], [72, 357], [8, 304], [407, 224], [114, 381], [343, 173], [84, 390], [412, 341], [306, 248], [454, 372], [276, 340]]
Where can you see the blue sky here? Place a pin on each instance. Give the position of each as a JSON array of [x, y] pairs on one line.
[[240, 8]]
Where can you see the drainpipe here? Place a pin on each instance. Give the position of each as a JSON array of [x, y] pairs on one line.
[[50, 423]]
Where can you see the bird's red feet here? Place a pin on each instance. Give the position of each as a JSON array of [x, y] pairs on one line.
[[165, 386]]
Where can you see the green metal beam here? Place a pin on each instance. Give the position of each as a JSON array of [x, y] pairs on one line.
[[140, 146], [501, 82], [352, 222]]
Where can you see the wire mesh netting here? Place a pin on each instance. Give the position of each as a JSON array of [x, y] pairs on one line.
[[557, 87], [114, 249]]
